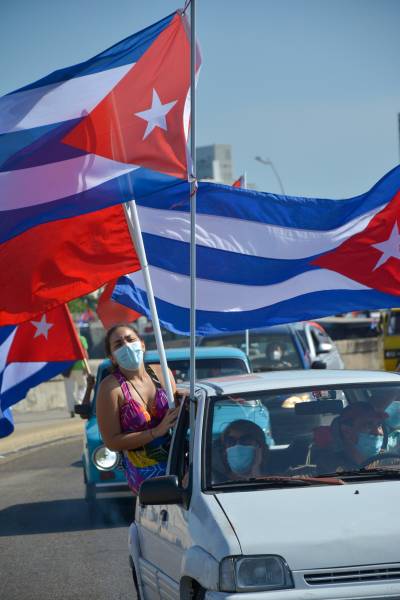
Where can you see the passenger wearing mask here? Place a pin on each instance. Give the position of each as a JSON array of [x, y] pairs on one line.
[[386, 399], [244, 450], [355, 435], [132, 407]]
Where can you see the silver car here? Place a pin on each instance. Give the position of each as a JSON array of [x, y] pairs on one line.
[[318, 344]]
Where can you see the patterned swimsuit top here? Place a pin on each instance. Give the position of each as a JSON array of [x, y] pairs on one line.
[[133, 415], [149, 460]]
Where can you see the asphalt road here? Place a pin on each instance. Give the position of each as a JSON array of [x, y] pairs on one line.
[[53, 546]]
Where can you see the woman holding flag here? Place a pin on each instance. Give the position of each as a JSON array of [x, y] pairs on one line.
[[132, 407]]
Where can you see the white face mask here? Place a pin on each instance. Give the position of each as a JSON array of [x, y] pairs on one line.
[[276, 355], [129, 356]]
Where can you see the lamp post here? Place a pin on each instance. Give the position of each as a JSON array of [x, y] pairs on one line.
[[268, 161]]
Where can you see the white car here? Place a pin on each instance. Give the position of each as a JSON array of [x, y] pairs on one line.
[[291, 529]]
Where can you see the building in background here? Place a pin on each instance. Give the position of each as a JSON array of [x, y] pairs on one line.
[[215, 163]]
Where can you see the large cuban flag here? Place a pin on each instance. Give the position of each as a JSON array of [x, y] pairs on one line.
[[264, 259], [83, 139], [32, 353]]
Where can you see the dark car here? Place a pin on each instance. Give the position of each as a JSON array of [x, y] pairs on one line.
[[275, 348]]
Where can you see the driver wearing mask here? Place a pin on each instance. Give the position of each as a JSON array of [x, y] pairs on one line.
[[244, 450], [274, 354], [355, 436]]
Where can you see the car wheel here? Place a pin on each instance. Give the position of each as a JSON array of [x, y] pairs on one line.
[[135, 579], [200, 593], [90, 492]]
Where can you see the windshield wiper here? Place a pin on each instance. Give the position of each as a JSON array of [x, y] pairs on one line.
[[373, 472], [284, 480], [330, 480]]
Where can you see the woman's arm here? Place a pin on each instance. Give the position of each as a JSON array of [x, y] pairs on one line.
[[107, 409]]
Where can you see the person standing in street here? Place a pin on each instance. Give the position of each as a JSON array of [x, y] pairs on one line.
[[75, 381]]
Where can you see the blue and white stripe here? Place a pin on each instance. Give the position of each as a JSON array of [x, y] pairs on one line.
[[254, 257], [43, 179]]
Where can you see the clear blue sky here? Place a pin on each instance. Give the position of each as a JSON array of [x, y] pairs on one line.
[[312, 84]]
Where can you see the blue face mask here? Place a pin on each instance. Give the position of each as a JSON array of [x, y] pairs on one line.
[[369, 444], [240, 458], [393, 410], [129, 356]]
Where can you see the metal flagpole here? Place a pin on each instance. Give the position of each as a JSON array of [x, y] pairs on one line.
[[132, 219], [193, 187], [247, 333]]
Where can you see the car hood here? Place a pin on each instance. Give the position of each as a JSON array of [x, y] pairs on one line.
[[319, 526]]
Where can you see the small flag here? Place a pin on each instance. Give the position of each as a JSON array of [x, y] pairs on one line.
[[34, 352], [110, 312]]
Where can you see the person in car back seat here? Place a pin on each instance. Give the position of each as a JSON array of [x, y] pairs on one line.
[[243, 449], [353, 437]]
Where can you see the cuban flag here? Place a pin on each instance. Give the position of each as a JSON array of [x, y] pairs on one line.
[[84, 139], [6, 422], [34, 352], [264, 259]]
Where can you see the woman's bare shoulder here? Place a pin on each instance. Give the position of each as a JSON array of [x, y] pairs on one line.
[[109, 384]]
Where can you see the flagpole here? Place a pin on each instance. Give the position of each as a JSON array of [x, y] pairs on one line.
[[247, 333], [132, 219], [193, 188]]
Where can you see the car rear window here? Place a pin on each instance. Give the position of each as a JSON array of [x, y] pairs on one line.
[[261, 346]]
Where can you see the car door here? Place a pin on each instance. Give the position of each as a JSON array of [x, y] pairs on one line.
[[163, 531]]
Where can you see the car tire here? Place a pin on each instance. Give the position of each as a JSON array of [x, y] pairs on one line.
[[200, 593], [135, 579], [90, 493]]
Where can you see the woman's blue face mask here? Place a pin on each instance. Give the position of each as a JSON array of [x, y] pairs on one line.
[[240, 458], [129, 356], [369, 444], [393, 410]]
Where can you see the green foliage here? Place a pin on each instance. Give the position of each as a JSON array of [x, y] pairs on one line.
[[79, 305]]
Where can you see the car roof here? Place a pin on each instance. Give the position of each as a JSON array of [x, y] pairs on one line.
[[201, 353], [273, 329], [273, 380]]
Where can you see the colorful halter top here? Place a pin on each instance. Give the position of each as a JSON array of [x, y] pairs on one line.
[[149, 460]]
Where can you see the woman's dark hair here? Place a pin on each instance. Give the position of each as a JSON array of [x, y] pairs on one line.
[[246, 426], [111, 331]]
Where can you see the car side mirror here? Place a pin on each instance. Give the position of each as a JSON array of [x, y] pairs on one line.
[[318, 364], [161, 490], [83, 410], [324, 347]]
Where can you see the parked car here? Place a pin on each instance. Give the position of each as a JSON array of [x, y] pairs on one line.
[[198, 533], [102, 468], [319, 344], [210, 362], [262, 342]]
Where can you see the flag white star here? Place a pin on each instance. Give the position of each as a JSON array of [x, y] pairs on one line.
[[155, 116], [389, 248], [42, 327]]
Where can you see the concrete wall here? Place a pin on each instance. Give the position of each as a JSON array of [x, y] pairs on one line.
[[48, 395], [364, 353], [356, 354]]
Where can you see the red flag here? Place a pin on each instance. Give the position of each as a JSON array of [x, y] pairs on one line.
[[63, 260], [111, 312], [239, 182], [36, 351]]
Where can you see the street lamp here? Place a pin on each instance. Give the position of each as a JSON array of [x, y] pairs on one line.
[[268, 161]]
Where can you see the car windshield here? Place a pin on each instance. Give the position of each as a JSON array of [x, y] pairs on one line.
[[268, 351], [208, 367], [303, 436]]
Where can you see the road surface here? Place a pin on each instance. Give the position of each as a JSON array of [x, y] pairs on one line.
[[53, 546]]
